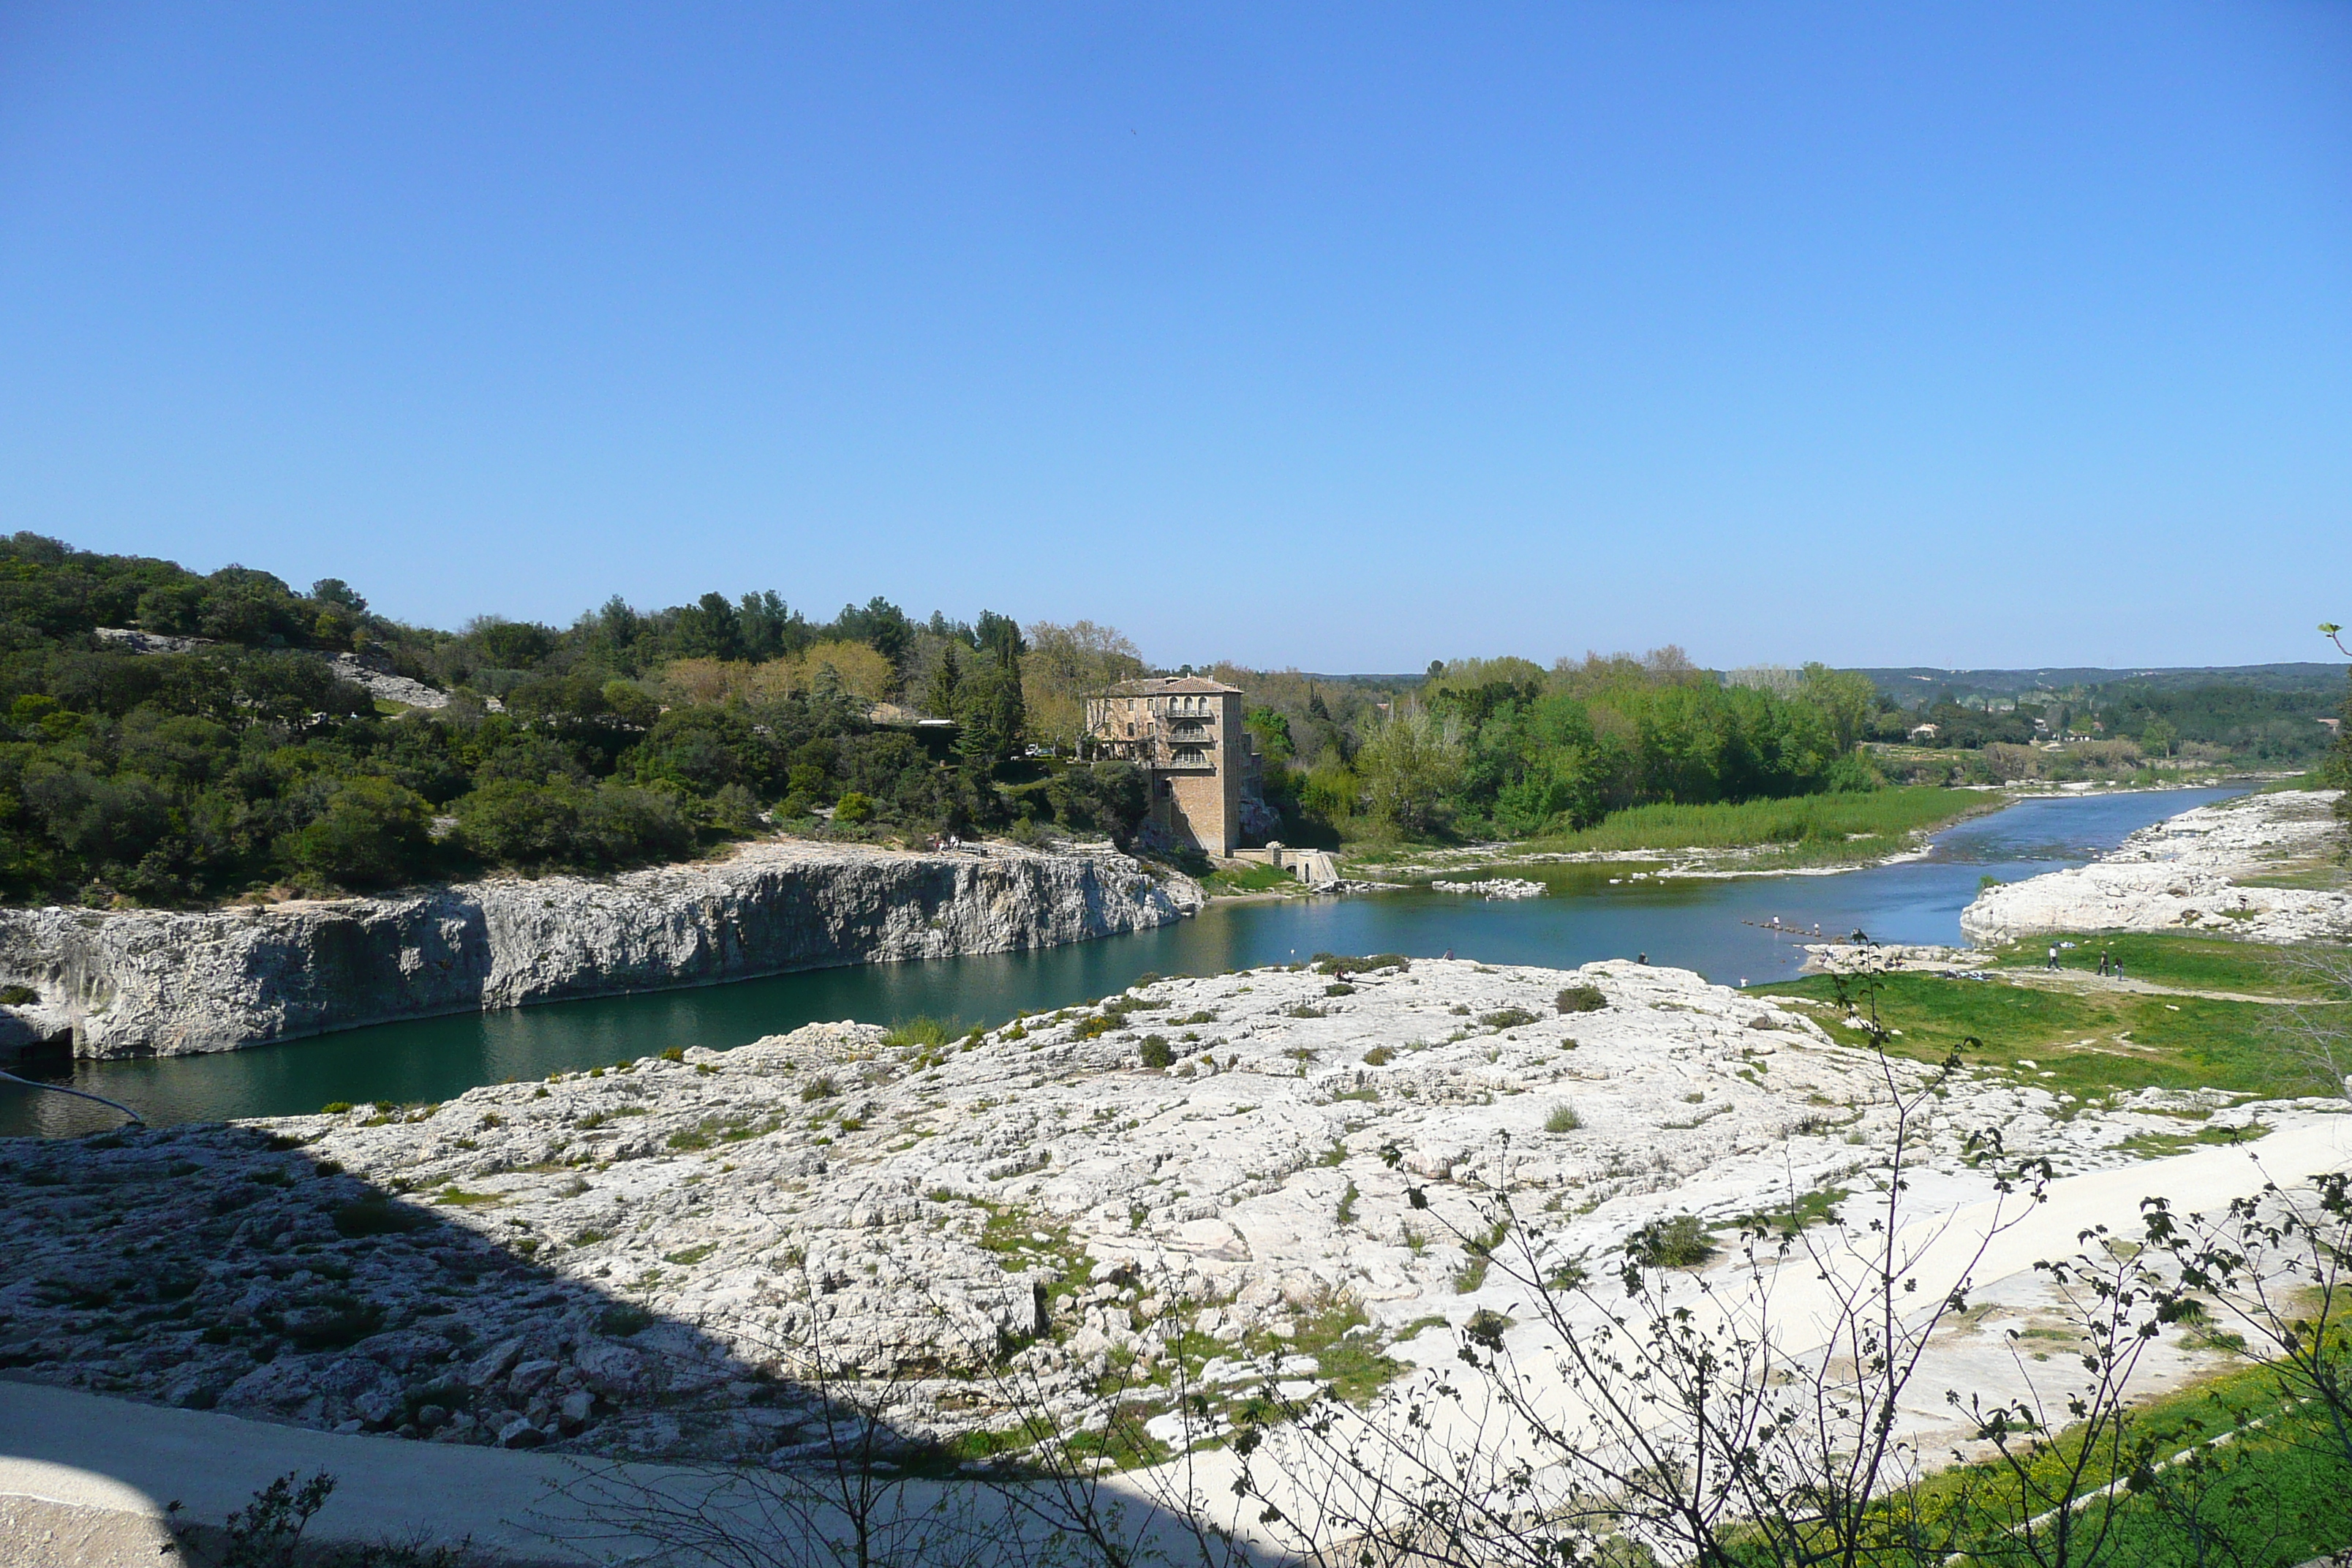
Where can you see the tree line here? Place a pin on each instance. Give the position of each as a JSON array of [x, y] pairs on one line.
[[247, 758], [1506, 748], [251, 756]]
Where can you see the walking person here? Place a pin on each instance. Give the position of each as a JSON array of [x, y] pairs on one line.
[[2054, 958]]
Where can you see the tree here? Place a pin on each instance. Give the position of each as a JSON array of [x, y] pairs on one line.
[[336, 592], [1845, 700], [1410, 765], [989, 711], [1063, 667], [373, 834], [1272, 731], [946, 680]]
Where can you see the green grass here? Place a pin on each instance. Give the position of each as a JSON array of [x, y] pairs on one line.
[[1822, 823], [2192, 963], [2133, 1041], [1249, 879], [923, 1030], [2276, 1496]]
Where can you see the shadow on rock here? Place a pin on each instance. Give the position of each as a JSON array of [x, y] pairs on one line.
[[223, 1267]]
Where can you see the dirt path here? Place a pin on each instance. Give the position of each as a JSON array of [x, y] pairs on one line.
[[2077, 982]]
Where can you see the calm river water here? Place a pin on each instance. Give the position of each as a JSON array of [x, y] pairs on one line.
[[1699, 923]]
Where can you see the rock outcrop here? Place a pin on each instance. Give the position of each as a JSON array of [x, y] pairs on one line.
[[691, 1256], [2191, 872], [159, 983]]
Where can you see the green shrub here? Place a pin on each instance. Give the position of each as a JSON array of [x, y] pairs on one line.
[[853, 808], [1338, 988], [1155, 1051], [818, 1087], [376, 1215], [1506, 1019], [1380, 1057], [1580, 999], [1340, 964], [1564, 1119], [622, 1319], [18, 995], [921, 1030], [334, 1108], [1680, 1242], [373, 834], [674, 1054]]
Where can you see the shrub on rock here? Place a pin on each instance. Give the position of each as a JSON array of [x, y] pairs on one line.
[[1580, 999]]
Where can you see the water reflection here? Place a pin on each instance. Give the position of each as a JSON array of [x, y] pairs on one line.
[[1708, 924]]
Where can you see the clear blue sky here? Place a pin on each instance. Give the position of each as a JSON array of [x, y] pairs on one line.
[[1348, 337]]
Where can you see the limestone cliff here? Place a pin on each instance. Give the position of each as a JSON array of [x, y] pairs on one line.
[[157, 983]]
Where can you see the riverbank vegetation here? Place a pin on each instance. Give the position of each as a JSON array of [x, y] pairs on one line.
[[236, 745], [1506, 749], [168, 737]]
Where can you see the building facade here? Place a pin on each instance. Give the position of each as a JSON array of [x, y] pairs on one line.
[[1186, 734]]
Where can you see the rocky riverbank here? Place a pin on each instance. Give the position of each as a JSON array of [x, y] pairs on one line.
[[695, 1256], [2201, 870], [141, 983]]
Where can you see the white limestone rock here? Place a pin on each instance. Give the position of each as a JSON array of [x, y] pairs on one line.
[[2185, 874]]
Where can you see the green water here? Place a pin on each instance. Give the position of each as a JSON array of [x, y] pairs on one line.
[[1705, 924]]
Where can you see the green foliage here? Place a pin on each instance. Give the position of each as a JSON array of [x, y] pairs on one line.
[[377, 1214], [1155, 1051], [1580, 999], [135, 772], [1506, 1019], [1338, 963], [1564, 1119], [853, 808], [623, 1318], [1680, 1242], [373, 833], [923, 1031], [561, 823]]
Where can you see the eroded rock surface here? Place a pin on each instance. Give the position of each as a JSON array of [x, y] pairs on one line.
[[2191, 872], [159, 983], [683, 1255]]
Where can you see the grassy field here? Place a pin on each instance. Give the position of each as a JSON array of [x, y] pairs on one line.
[[2204, 963], [1833, 819], [2084, 1045], [2273, 1495], [1250, 879]]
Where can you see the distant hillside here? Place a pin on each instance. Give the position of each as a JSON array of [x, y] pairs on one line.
[[1923, 683]]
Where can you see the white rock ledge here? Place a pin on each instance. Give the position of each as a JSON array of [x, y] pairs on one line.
[[158, 982], [645, 1261], [2184, 874]]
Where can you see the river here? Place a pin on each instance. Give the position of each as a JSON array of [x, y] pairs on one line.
[[1589, 911]]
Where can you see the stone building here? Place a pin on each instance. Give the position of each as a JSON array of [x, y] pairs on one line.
[[1186, 734]]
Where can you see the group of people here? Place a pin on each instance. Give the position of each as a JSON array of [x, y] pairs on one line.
[[2109, 964]]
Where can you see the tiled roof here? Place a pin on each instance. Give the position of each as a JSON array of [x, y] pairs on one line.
[[1163, 685]]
